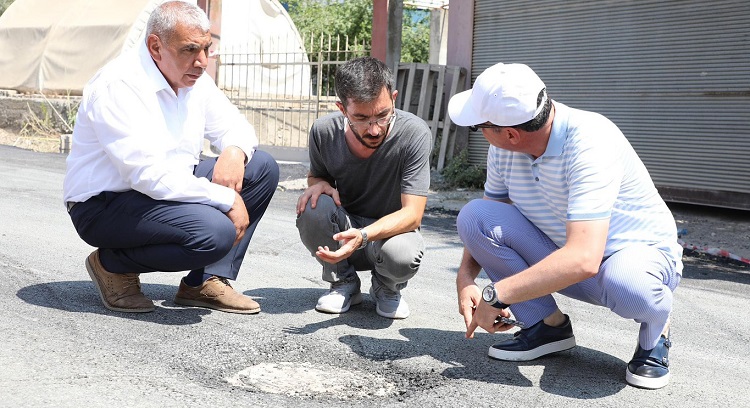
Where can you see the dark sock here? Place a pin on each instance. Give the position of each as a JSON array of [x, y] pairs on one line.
[[196, 278]]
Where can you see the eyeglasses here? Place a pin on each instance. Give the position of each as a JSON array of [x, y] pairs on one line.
[[483, 126], [382, 122]]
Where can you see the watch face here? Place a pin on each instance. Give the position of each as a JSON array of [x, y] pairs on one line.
[[488, 294]]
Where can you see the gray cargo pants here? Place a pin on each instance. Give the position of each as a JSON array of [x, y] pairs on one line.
[[393, 261]]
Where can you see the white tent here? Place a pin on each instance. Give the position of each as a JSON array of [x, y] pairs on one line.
[[261, 50], [56, 46]]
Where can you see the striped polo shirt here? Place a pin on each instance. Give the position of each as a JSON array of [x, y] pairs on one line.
[[589, 171]]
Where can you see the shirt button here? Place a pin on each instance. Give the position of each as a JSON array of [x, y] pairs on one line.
[[536, 178]]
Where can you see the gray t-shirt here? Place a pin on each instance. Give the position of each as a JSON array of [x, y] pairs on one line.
[[372, 187]]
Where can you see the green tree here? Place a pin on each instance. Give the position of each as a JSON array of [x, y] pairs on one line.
[[4, 4], [415, 36], [353, 19], [326, 25]]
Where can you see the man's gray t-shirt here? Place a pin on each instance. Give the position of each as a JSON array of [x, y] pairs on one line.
[[372, 187]]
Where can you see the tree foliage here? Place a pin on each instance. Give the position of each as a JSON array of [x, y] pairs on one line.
[[415, 36], [4, 4], [353, 19]]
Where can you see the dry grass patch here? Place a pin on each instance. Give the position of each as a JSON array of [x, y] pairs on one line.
[[37, 143]]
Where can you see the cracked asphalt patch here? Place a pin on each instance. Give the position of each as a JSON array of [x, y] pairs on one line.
[[356, 368], [306, 380]]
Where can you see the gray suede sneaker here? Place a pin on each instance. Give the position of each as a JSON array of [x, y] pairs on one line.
[[341, 296], [388, 303]]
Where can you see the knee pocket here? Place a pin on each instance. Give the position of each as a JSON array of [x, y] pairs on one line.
[[395, 254]]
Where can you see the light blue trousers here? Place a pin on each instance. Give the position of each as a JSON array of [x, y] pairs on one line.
[[393, 261], [636, 282]]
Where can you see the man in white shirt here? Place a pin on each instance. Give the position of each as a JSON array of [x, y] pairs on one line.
[[135, 185], [569, 208]]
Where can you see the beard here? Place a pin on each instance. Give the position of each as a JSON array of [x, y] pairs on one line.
[[371, 141]]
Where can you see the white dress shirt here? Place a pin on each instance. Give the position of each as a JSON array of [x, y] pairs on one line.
[[133, 133]]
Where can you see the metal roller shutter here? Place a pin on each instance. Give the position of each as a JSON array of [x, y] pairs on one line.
[[673, 75]]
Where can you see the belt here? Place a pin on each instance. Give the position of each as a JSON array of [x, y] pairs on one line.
[[70, 205]]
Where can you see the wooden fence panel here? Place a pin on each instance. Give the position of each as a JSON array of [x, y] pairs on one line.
[[282, 91]]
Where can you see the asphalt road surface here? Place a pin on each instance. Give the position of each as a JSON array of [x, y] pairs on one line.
[[62, 348]]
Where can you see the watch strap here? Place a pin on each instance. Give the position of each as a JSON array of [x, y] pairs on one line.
[[495, 302], [364, 239], [500, 305]]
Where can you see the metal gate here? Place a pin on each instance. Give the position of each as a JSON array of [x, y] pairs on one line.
[[672, 75], [283, 84], [282, 87]]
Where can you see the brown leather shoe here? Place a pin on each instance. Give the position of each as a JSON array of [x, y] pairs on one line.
[[216, 293], [120, 292]]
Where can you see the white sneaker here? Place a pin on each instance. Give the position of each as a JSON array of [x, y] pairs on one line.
[[340, 297], [388, 303]]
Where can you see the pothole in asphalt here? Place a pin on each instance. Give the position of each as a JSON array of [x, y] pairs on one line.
[[312, 381]]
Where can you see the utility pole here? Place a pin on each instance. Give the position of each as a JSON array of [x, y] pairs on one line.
[[387, 19], [395, 23]]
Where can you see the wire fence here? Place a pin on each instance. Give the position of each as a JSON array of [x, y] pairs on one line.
[[283, 84]]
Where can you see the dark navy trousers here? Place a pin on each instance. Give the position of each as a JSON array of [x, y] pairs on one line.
[[137, 234]]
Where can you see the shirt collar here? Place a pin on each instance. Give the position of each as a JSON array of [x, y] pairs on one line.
[[156, 80], [558, 133]]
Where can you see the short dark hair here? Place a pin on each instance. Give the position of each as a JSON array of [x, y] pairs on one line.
[[362, 80], [540, 119]]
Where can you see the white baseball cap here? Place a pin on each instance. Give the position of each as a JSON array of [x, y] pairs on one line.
[[504, 94]]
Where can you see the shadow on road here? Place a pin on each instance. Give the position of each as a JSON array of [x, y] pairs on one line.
[[442, 222], [81, 297], [706, 268], [581, 373], [285, 301]]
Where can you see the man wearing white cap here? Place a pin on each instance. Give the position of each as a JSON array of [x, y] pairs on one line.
[[568, 208]]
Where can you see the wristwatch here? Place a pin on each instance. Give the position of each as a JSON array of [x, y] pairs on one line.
[[489, 295], [364, 239]]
